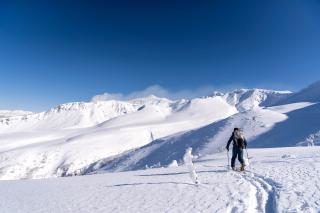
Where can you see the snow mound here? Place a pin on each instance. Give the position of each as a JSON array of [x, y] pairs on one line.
[[288, 156], [173, 164]]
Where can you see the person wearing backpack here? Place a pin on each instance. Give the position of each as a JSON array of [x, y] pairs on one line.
[[239, 143]]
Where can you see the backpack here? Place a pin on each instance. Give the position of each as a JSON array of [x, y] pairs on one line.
[[239, 139]]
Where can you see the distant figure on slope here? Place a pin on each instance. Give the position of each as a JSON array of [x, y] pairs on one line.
[[239, 143], [187, 158]]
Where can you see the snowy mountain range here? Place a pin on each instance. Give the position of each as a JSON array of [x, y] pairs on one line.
[[12, 113], [86, 137]]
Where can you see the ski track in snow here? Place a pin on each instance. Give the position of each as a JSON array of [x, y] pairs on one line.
[[295, 181], [262, 192]]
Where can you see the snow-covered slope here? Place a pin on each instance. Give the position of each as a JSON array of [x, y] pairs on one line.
[[245, 99], [68, 138], [82, 137], [71, 115], [299, 125], [278, 180], [281, 126], [309, 94]]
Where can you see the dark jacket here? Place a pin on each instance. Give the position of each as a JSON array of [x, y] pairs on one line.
[[232, 138]]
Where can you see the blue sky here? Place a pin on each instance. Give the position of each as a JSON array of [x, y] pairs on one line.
[[53, 52]]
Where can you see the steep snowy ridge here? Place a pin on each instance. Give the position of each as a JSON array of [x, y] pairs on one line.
[[151, 100], [205, 140], [280, 126], [70, 115], [245, 99], [309, 94]]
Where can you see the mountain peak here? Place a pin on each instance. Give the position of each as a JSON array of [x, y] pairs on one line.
[[245, 99], [154, 97]]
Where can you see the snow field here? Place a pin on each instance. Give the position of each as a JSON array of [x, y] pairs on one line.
[[271, 184]]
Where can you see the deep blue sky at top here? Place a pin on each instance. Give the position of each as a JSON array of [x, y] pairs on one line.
[[58, 51]]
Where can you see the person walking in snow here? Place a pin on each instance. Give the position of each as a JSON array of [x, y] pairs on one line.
[[239, 143]]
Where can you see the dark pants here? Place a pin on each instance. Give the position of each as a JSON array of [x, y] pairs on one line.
[[236, 151]]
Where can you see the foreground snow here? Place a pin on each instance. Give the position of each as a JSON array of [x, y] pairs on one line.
[[278, 179]]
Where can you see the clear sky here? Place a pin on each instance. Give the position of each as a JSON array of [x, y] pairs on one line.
[[53, 52]]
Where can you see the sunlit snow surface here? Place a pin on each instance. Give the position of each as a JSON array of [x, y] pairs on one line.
[[126, 137], [277, 180], [80, 138]]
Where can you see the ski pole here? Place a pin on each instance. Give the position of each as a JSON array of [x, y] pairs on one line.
[[228, 159], [247, 155]]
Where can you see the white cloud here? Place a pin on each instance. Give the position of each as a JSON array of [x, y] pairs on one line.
[[152, 90], [107, 96], [161, 92]]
